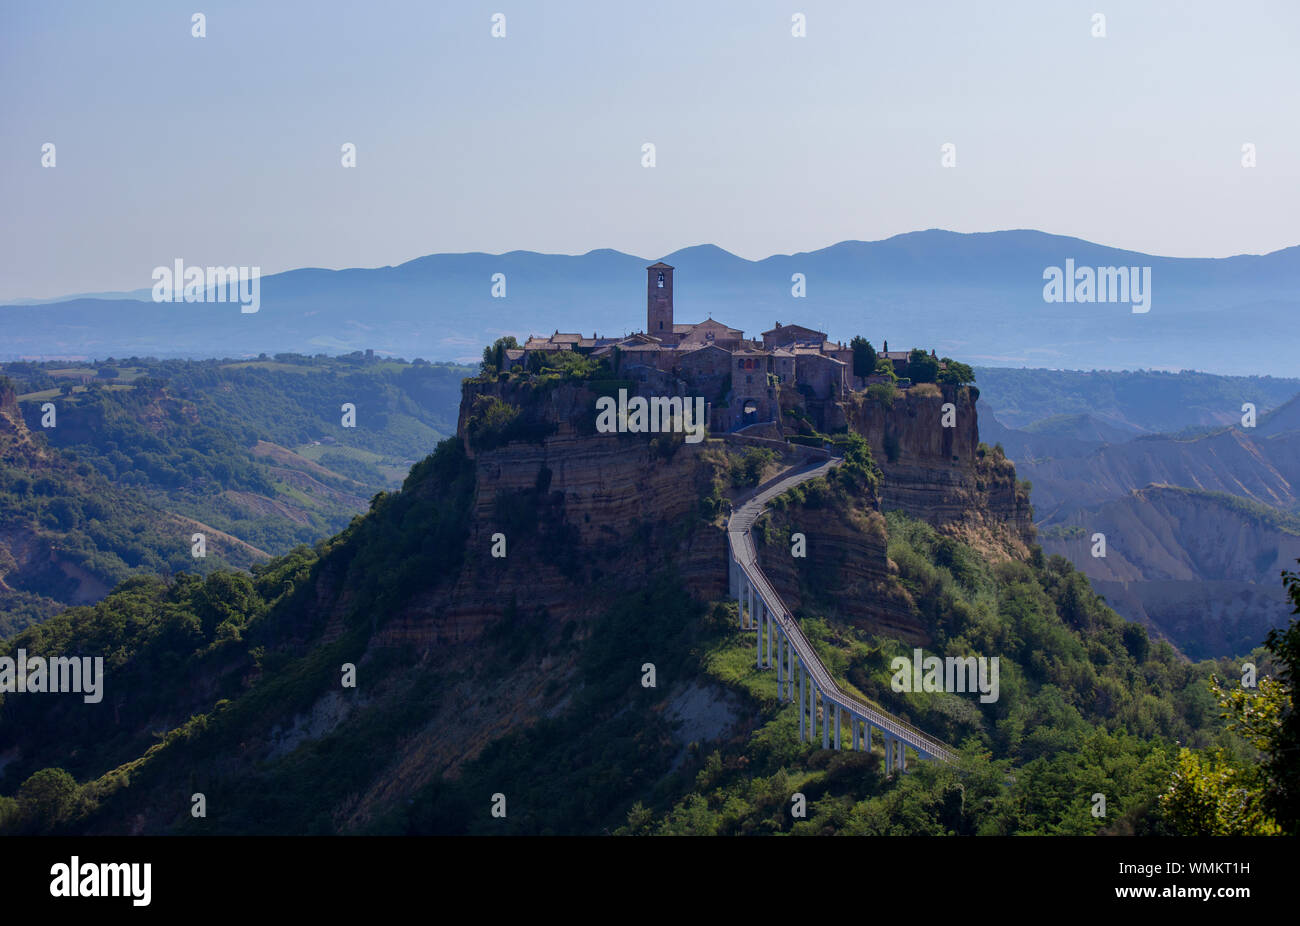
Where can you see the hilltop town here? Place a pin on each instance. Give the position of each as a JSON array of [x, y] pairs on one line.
[[739, 377]]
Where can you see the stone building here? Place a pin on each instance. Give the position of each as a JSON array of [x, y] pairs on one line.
[[738, 377]]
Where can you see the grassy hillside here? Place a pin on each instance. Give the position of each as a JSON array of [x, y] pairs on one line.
[[253, 454], [230, 686], [1147, 401]]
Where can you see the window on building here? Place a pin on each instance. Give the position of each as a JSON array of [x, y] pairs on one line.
[[661, 279], [661, 326]]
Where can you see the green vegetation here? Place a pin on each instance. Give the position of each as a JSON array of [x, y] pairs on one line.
[[222, 669], [1146, 399], [1087, 705], [494, 356], [921, 367], [747, 467], [1252, 790], [955, 373], [864, 356], [209, 441], [493, 423], [259, 641], [883, 393]]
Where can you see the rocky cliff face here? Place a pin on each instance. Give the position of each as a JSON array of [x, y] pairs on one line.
[[15, 438], [938, 474], [846, 574], [1199, 568], [585, 515]]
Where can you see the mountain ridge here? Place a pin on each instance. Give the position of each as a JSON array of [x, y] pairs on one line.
[[979, 295]]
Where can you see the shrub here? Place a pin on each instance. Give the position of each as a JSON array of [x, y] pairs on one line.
[[747, 469], [884, 393]]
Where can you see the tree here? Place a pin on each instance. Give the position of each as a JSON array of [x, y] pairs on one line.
[[921, 367], [1283, 748], [1211, 795], [639, 820], [955, 373], [494, 355], [1219, 795], [47, 798], [864, 356]]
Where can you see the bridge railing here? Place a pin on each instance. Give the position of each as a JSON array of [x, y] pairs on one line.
[[745, 555]]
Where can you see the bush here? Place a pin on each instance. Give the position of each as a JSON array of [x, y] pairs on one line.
[[921, 367], [884, 393], [490, 422], [494, 423], [747, 469], [954, 373]]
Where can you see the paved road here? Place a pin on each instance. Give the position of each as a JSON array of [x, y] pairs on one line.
[[742, 550]]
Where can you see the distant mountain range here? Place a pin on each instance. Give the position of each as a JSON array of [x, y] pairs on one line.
[[976, 297]]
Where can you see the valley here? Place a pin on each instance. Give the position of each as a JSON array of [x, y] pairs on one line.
[[1199, 512]]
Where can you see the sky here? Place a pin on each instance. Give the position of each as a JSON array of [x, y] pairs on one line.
[[226, 150]]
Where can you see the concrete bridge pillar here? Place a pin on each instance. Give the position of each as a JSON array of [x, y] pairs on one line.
[[780, 677], [785, 664], [812, 710], [801, 698], [826, 723], [836, 708], [768, 615]]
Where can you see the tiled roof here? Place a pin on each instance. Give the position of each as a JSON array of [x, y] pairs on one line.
[[708, 345], [784, 328]]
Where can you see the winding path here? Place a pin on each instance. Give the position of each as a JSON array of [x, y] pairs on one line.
[[762, 609]]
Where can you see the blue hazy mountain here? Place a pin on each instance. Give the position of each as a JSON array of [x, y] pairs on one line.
[[977, 297]]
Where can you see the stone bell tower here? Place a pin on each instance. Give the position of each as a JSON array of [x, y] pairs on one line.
[[659, 302]]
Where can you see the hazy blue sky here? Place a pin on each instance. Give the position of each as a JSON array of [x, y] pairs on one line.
[[225, 150]]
